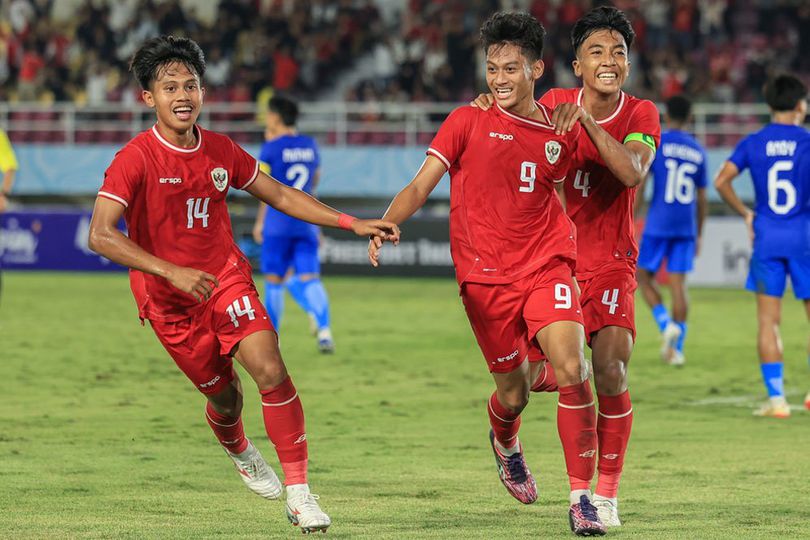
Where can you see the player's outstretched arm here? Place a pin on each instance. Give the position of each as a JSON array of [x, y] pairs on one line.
[[629, 162], [258, 225], [106, 240], [298, 204], [409, 200], [722, 182]]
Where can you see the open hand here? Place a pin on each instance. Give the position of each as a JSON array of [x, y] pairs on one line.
[[566, 115], [483, 101], [191, 281]]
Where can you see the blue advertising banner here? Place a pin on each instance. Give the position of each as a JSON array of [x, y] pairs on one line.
[[48, 240]]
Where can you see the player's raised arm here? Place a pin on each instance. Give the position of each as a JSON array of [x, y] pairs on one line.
[[298, 204], [410, 199], [629, 161], [106, 240]]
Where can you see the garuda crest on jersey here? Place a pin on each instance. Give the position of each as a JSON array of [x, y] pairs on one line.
[[553, 149], [220, 177]]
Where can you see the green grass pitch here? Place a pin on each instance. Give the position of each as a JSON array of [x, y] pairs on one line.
[[102, 437]]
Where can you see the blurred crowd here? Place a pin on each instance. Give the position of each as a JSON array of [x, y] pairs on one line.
[[250, 45], [713, 50], [417, 50]]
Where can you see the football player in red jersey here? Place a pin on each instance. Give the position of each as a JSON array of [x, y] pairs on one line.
[[513, 249], [187, 275], [614, 154]]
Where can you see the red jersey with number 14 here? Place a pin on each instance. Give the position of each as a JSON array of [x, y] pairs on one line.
[[505, 218], [600, 205], [175, 209]]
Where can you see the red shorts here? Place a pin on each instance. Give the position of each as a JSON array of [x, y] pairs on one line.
[[201, 345], [608, 300], [505, 318]]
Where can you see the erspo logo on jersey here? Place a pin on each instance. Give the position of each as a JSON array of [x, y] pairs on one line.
[[501, 136]]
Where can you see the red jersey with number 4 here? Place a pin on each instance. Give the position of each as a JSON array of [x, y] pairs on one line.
[[175, 209], [600, 205], [505, 218]]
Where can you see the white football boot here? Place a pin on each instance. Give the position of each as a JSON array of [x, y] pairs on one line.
[[608, 511], [669, 339], [303, 510], [775, 407], [256, 473]]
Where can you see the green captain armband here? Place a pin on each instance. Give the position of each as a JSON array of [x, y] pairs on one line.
[[642, 138]]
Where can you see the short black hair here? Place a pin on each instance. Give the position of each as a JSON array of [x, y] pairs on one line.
[[784, 92], [602, 18], [679, 108], [518, 28], [156, 53], [286, 108]]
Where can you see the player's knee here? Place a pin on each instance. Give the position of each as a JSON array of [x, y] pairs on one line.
[[610, 377], [571, 372], [643, 276], [269, 375], [514, 400], [274, 279], [303, 278]]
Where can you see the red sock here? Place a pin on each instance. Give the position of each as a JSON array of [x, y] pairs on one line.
[[229, 431], [546, 380], [284, 422], [505, 424], [576, 424], [613, 429]]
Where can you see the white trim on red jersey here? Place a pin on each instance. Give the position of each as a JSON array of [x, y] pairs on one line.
[[525, 120], [440, 156], [613, 115], [169, 145], [116, 198], [254, 177], [544, 111]]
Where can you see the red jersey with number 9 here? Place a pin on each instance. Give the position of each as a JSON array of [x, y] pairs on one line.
[[506, 221], [600, 205], [175, 209]]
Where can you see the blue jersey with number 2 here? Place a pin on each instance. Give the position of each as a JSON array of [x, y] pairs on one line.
[[292, 160], [781, 191], [679, 170]]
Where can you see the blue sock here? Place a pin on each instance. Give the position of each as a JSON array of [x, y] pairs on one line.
[[274, 301], [661, 316], [296, 288], [679, 344], [772, 376], [318, 301]]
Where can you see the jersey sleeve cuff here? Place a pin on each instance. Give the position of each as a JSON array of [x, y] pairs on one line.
[[252, 178], [113, 197], [642, 138], [433, 152], [559, 180]]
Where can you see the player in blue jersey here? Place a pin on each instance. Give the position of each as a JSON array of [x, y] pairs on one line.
[[674, 224], [288, 243], [779, 223]]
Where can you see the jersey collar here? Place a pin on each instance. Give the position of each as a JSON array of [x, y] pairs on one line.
[[170, 146], [522, 119], [612, 116]]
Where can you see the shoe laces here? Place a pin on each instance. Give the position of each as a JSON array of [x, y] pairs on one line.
[[516, 466], [255, 466], [588, 510], [308, 503]]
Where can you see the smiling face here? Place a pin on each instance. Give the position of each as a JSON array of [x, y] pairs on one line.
[[511, 77], [176, 96], [602, 62]]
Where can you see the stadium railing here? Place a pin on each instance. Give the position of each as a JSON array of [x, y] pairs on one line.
[[333, 123]]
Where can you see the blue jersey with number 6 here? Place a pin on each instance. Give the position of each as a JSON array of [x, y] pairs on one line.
[[782, 194], [679, 170], [292, 160]]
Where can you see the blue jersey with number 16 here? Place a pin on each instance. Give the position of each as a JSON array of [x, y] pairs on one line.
[[782, 195], [292, 160], [679, 170]]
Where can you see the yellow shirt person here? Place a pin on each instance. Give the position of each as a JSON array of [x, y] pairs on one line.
[[8, 166]]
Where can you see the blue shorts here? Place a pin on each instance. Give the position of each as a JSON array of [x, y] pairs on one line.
[[279, 253], [679, 252], [768, 276]]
